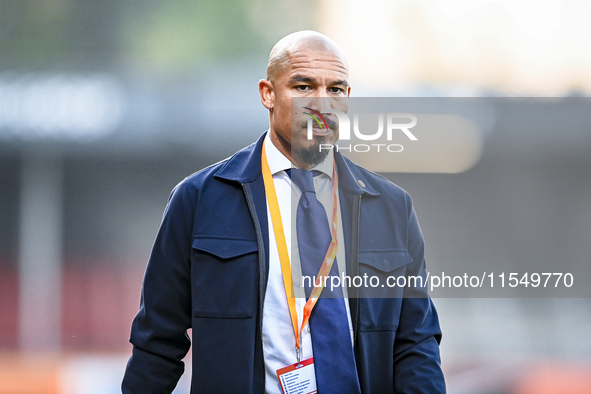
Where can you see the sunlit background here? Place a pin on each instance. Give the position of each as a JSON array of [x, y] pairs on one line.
[[106, 105]]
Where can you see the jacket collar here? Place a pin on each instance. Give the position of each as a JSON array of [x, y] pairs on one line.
[[351, 178], [245, 166]]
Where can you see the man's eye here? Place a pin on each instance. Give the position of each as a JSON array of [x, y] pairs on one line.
[[337, 90], [302, 88]]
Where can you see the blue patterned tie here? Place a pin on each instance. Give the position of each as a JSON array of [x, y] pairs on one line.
[[334, 360]]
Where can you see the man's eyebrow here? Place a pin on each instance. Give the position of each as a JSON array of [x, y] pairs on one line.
[[300, 78], [341, 82]]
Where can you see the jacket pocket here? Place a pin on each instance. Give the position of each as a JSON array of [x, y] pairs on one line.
[[225, 277], [386, 260], [380, 305]]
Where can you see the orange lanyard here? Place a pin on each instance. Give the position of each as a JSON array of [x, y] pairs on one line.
[[328, 260]]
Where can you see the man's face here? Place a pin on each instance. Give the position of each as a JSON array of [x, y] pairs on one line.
[[318, 77]]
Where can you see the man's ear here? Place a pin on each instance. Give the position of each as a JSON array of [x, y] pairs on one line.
[[267, 93]]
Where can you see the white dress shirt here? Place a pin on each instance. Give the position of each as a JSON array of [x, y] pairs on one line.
[[278, 336]]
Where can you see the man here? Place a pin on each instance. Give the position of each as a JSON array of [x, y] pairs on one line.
[[219, 259]]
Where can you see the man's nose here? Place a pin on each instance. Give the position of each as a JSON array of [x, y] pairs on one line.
[[322, 101]]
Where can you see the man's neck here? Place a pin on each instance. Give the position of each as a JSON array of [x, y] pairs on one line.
[[278, 160], [284, 147]]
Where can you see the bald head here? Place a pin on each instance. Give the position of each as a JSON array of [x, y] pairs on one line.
[[310, 66], [280, 56]]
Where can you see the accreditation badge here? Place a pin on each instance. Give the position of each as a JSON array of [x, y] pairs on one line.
[[298, 378]]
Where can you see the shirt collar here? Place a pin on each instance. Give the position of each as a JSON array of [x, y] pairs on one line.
[[278, 162], [326, 166]]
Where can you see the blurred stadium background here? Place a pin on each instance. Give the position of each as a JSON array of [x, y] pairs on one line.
[[105, 106]]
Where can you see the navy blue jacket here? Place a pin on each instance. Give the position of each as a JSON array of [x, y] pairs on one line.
[[208, 271]]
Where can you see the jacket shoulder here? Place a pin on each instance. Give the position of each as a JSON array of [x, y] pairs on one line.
[[381, 184], [200, 179]]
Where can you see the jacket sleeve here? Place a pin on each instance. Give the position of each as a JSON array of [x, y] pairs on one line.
[[417, 365], [159, 330]]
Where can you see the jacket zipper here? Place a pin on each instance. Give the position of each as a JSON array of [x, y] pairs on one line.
[[355, 258], [262, 262]]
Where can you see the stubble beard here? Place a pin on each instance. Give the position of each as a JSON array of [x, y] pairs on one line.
[[313, 155]]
